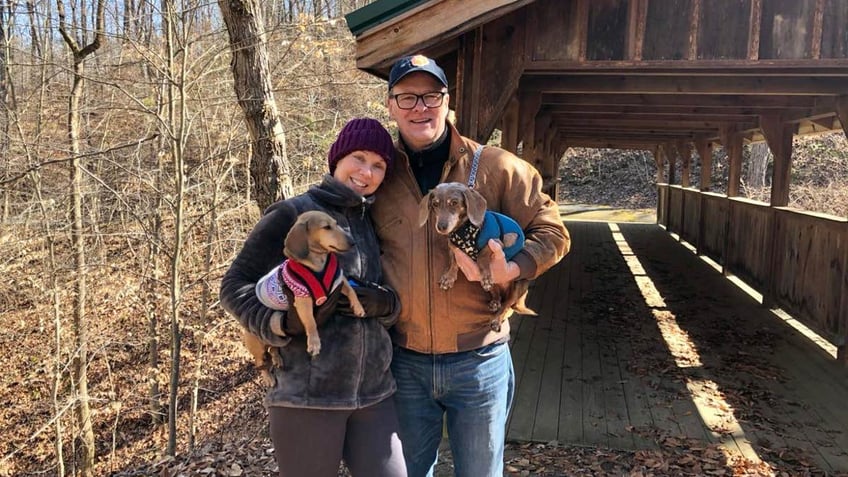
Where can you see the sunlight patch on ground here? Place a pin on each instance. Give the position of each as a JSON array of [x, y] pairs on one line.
[[801, 328], [605, 213], [715, 412]]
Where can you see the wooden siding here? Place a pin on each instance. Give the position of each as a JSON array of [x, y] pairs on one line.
[[749, 241], [723, 30], [786, 29], [691, 216], [675, 208], [662, 204], [810, 276], [607, 29], [714, 217], [795, 259], [667, 30], [835, 30], [554, 44]]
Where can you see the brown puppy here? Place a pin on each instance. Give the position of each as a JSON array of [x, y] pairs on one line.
[[312, 240], [452, 206]]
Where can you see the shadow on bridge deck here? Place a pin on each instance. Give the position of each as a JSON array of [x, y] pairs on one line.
[[638, 337]]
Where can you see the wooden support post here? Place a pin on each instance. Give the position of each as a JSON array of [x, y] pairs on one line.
[[671, 156], [732, 142], [528, 149], [468, 84], [509, 126], [659, 160], [683, 148], [543, 122], [842, 112], [778, 135], [705, 152], [528, 108]]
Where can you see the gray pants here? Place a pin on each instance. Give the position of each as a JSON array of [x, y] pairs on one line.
[[312, 442]]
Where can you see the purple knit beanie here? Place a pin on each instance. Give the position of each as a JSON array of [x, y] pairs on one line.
[[362, 134]]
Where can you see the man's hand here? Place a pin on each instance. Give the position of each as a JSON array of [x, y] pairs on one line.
[[503, 272]]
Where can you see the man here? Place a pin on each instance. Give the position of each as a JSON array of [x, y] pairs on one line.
[[448, 360]]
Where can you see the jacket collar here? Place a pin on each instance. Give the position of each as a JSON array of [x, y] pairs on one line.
[[332, 193]]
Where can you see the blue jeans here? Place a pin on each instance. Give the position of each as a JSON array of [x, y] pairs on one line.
[[472, 389]]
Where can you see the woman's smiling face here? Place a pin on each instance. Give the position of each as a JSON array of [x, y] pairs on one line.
[[362, 171]]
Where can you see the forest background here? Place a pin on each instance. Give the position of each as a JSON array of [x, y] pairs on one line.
[[126, 190]]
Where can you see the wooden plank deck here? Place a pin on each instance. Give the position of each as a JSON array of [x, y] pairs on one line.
[[637, 337]]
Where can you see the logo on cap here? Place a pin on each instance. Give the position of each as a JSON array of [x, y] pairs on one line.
[[419, 60]]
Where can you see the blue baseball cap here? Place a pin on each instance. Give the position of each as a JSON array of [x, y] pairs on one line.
[[411, 64]]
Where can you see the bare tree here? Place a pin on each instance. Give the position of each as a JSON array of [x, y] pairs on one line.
[[269, 166], [80, 327], [757, 165]]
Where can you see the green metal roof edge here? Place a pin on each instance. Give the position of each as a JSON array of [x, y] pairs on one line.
[[376, 13]]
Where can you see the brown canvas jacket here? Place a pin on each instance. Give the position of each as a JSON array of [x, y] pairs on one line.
[[437, 321]]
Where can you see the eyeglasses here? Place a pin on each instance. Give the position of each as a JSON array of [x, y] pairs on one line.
[[410, 100]]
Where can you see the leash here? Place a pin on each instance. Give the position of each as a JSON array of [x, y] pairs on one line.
[[475, 162]]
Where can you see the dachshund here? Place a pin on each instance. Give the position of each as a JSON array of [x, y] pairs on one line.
[[310, 248], [460, 213]]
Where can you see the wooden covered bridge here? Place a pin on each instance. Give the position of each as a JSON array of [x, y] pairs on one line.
[[642, 331]]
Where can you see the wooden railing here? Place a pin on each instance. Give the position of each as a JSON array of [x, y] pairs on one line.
[[798, 260]]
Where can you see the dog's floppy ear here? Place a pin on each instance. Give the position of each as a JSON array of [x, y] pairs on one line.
[[424, 209], [475, 205], [297, 241]]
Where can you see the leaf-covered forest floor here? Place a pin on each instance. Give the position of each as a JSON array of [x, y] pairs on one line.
[[230, 428]]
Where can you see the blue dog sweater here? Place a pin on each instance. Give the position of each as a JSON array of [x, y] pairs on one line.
[[471, 239]]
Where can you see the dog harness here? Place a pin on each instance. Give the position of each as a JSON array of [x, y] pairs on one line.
[[304, 282], [471, 239]]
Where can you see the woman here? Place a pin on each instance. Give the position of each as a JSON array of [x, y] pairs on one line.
[[338, 404]]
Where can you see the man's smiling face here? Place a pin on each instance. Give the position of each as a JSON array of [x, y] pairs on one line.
[[420, 126]]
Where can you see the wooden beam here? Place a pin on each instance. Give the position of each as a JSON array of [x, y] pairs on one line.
[[509, 126], [624, 113], [778, 135], [378, 48], [657, 84], [644, 123], [740, 113], [732, 142], [691, 100]]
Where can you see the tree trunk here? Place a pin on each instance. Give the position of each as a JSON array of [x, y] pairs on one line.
[[270, 169], [758, 165], [175, 100], [82, 409]]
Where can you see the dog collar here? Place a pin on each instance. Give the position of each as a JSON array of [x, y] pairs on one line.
[[465, 238], [304, 282]]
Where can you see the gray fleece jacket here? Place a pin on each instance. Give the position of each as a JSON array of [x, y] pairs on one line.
[[352, 370]]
